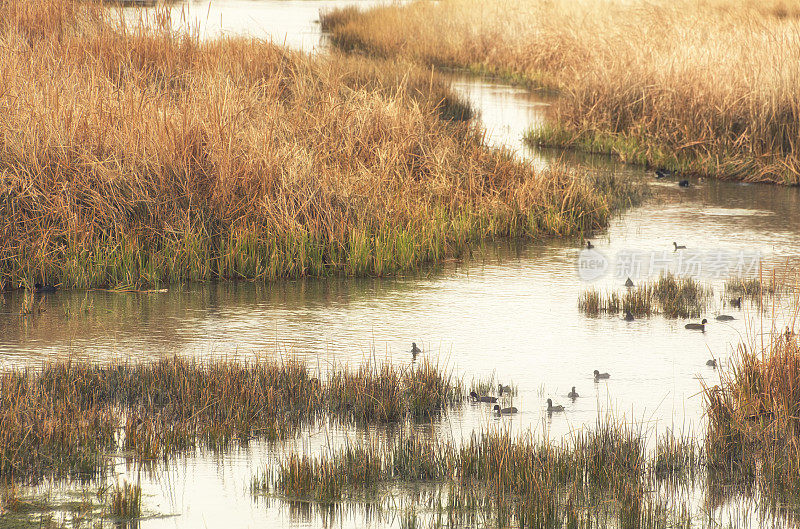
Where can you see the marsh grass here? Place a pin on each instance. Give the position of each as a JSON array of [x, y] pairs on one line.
[[716, 102], [136, 155], [757, 288], [58, 420], [753, 425], [672, 296], [596, 477], [125, 501]]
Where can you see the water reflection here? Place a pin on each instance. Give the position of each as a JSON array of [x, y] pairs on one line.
[[511, 311]]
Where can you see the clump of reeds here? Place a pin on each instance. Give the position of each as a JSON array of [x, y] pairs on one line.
[[718, 102], [672, 296], [746, 287], [167, 159], [418, 392], [753, 426], [59, 419], [756, 288], [677, 458], [125, 501]]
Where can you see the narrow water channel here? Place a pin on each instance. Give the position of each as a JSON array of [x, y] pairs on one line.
[[512, 312]]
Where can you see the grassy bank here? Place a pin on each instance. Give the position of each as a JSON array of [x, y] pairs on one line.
[[705, 87], [58, 420], [136, 155]]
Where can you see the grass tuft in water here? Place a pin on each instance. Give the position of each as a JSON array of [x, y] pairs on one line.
[[672, 296]]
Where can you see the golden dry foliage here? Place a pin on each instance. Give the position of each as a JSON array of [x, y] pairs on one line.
[[703, 86], [133, 154]]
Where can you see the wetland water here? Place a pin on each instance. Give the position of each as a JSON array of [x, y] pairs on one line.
[[511, 311]]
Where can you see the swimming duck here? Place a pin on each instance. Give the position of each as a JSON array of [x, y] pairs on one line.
[[663, 173], [415, 349], [712, 363], [504, 411], [44, 289], [629, 283], [698, 326], [683, 183], [628, 316], [678, 246], [724, 317], [598, 375], [480, 398], [589, 245], [736, 302], [573, 394], [503, 389], [553, 409]]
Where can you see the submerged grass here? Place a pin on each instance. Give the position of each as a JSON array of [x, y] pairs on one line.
[[59, 420], [719, 102], [670, 295], [134, 154]]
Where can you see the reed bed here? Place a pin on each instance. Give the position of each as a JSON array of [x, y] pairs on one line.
[[596, 477], [754, 418], [672, 296], [636, 79], [58, 420], [136, 155]]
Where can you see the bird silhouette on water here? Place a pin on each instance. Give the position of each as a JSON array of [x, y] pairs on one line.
[[683, 183], [482, 398], [44, 289], [697, 326]]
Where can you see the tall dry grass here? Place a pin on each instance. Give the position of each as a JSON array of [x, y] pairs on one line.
[[137, 155], [701, 86], [754, 417]]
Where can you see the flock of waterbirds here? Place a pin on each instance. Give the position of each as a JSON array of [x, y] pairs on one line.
[[573, 394], [733, 302], [508, 390]]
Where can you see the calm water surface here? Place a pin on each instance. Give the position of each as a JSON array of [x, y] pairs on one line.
[[511, 312]]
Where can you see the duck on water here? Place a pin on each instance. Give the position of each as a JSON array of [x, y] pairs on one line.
[[697, 326]]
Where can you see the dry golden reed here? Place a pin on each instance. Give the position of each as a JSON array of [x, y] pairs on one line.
[[135, 154], [702, 86]]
